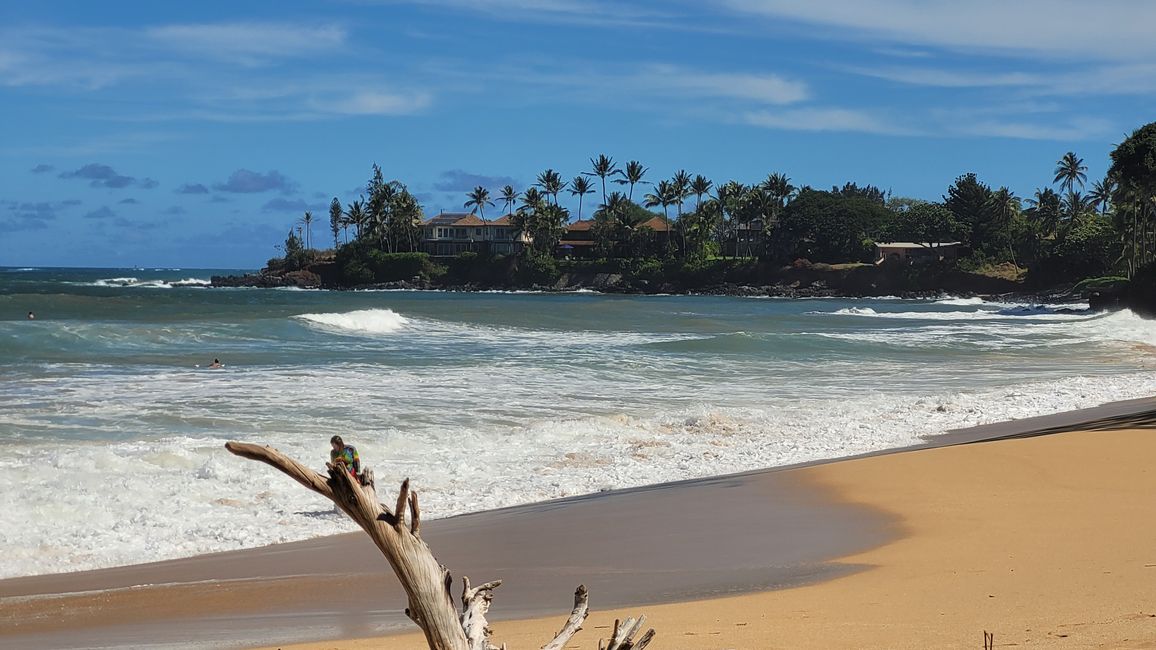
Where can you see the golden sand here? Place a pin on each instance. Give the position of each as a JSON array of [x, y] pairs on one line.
[[1047, 542]]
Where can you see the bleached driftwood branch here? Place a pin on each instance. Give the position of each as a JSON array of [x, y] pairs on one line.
[[426, 582]]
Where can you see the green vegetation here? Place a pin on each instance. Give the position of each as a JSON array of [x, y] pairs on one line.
[[693, 233]]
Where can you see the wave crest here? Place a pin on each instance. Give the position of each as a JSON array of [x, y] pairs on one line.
[[361, 321]]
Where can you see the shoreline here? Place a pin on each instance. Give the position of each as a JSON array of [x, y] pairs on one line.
[[244, 594], [1041, 541]]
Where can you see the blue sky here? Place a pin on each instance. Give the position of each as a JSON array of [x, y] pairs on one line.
[[195, 134]]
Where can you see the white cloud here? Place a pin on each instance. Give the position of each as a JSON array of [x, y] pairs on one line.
[[248, 42], [1068, 130], [378, 103], [578, 12], [943, 78], [825, 119], [1062, 29], [760, 88]]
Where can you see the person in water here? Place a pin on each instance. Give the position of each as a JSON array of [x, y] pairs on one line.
[[346, 454], [31, 316], [216, 364]]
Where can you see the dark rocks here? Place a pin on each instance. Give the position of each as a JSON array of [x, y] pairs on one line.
[[299, 279]]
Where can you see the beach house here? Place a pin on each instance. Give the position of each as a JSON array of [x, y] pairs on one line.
[[915, 253], [453, 233]]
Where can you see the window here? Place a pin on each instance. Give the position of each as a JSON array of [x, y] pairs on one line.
[[477, 231]]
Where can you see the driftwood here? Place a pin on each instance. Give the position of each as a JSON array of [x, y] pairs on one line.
[[426, 582]]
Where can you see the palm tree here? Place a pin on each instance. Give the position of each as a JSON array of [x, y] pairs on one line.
[[355, 216], [1045, 210], [680, 185], [580, 187], [532, 199], [1101, 194], [603, 166], [509, 198], [631, 176], [663, 195], [551, 183], [307, 220], [698, 187], [479, 198], [1070, 170]]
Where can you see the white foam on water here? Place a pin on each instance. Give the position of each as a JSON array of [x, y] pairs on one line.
[[362, 321], [949, 300], [987, 311], [137, 283], [74, 506]]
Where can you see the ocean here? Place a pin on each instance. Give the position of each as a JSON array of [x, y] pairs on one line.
[[112, 428]]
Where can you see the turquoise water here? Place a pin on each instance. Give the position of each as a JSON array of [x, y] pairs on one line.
[[106, 403]]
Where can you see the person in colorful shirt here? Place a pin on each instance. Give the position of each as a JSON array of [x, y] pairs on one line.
[[345, 453]]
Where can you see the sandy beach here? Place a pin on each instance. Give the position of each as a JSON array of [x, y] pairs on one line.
[[1044, 540]]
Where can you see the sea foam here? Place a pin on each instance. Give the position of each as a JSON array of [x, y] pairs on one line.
[[362, 321]]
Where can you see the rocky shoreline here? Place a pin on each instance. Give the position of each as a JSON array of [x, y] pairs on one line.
[[611, 283]]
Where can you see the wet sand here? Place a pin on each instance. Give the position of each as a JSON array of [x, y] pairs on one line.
[[680, 542]]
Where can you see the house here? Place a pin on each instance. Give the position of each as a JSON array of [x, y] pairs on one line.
[[453, 233], [915, 253], [578, 240], [744, 239]]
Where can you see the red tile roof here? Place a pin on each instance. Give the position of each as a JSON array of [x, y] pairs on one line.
[[657, 224]]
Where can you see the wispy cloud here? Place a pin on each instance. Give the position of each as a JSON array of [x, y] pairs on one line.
[[1055, 29], [292, 205], [371, 102], [456, 180], [208, 72], [192, 188], [569, 12], [825, 119], [762, 88], [42, 169], [247, 43]]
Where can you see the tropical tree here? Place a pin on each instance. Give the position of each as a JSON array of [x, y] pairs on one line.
[[355, 216], [619, 221], [307, 221], [664, 195], [1101, 194], [699, 187], [551, 183], [335, 219], [478, 199], [603, 167], [1070, 170], [925, 223], [631, 175], [580, 187], [776, 190], [728, 197], [1004, 209], [509, 198], [970, 201], [1134, 172], [543, 222], [1045, 211]]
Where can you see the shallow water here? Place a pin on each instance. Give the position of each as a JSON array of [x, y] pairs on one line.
[[111, 427]]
